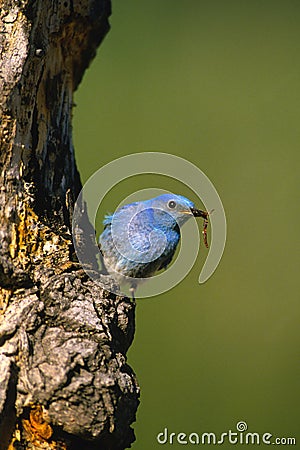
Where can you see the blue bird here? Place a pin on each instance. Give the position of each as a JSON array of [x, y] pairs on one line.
[[141, 238]]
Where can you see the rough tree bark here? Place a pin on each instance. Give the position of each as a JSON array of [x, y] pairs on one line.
[[64, 381]]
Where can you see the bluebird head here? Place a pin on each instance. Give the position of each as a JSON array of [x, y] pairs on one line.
[[172, 207]]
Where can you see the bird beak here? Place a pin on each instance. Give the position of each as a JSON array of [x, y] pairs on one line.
[[199, 213]]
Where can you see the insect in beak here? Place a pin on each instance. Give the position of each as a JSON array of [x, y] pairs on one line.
[[204, 215], [199, 213]]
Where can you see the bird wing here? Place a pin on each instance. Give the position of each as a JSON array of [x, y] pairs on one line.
[[107, 220], [108, 217]]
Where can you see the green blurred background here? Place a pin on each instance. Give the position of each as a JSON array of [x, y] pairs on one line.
[[218, 84]]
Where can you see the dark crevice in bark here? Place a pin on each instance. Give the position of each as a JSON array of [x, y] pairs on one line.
[[8, 414]]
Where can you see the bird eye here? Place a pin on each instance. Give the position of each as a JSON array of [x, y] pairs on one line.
[[172, 204]]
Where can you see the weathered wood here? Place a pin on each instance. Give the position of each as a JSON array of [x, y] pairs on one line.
[[64, 380]]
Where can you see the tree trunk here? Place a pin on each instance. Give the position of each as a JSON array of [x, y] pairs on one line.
[[64, 381]]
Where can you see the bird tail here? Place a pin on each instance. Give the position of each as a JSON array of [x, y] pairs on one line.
[[104, 270]]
